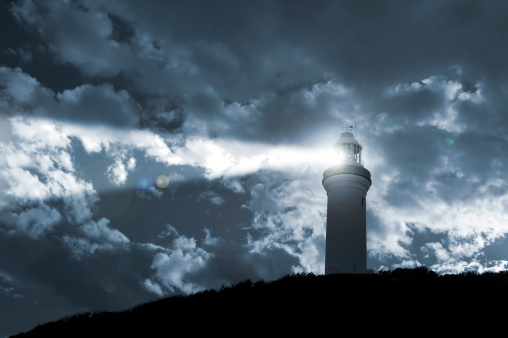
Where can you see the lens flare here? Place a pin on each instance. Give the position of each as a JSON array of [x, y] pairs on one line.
[[449, 142], [144, 184], [162, 181]]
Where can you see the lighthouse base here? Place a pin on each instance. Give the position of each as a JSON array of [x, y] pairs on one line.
[[346, 231]]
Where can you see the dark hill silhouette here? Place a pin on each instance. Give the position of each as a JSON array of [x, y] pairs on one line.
[[399, 302]]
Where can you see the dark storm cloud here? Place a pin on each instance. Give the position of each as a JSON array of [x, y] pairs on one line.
[[274, 46], [88, 104], [85, 41], [163, 114], [212, 61], [122, 31], [384, 47], [84, 104], [415, 150], [412, 105], [487, 113], [385, 40], [482, 154]]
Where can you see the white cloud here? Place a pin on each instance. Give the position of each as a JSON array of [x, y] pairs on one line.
[[294, 213], [98, 236], [234, 184], [83, 247], [153, 287], [468, 222], [330, 88], [244, 113], [118, 171], [37, 221], [131, 163], [171, 231], [156, 192], [476, 97], [185, 257], [39, 169], [212, 197], [437, 250], [98, 138], [100, 231], [445, 117], [209, 240], [24, 185], [39, 133]]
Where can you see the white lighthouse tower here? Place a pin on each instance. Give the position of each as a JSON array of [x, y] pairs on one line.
[[346, 185]]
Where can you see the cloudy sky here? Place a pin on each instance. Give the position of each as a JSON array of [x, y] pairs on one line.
[[239, 103]]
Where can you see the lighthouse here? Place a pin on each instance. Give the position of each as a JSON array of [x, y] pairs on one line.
[[346, 185]]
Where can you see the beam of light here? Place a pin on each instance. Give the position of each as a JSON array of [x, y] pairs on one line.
[[218, 157], [223, 157]]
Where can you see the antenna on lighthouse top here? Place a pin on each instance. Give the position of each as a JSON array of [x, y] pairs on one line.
[[350, 128]]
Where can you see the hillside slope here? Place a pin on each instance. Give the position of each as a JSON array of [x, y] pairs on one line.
[[294, 304]]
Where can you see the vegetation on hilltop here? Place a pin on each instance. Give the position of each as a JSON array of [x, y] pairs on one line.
[[365, 302]]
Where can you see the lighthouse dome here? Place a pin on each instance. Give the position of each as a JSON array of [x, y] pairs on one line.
[[347, 137]]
